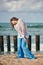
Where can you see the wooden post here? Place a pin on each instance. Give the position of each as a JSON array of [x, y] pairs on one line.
[[8, 43], [1, 44], [15, 43], [29, 42], [37, 42]]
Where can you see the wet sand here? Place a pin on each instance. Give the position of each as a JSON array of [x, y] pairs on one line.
[[11, 59]]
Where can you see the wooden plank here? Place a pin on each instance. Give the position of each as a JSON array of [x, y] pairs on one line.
[[37, 42], [15, 43], [8, 43], [1, 44], [29, 42]]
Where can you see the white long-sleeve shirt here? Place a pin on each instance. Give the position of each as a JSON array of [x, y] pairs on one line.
[[21, 28]]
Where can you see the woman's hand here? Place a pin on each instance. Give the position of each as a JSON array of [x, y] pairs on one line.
[[25, 39]]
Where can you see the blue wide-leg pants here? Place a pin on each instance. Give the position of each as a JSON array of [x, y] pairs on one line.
[[23, 50]]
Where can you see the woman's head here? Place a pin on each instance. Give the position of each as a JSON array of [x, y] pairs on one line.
[[13, 21]]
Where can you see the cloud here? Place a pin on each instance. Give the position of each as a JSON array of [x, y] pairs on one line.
[[21, 5], [36, 5]]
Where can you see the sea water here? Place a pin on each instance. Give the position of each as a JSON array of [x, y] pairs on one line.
[[33, 30]]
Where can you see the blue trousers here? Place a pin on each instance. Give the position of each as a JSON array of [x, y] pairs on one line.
[[23, 50]]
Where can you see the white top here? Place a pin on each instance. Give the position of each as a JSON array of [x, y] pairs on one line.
[[21, 28]]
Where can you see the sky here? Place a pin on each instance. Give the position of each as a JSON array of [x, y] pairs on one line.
[[30, 11]]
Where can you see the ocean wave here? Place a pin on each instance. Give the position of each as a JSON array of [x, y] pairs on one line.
[[31, 25]]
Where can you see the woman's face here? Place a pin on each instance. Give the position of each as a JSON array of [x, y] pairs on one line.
[[14, 22]]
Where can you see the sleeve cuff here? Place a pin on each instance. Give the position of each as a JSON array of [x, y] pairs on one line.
[[23, 36]]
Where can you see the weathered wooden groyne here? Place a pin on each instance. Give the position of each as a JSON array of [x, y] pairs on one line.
[[8, 42]]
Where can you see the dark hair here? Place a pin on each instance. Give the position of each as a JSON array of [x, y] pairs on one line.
[[13, 19]]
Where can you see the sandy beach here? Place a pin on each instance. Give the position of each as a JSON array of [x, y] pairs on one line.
[[11, 59]]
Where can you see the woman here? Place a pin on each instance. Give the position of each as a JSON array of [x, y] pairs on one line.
[[21, 28]]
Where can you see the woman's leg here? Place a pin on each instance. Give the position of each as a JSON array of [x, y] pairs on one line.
[[20, 51], [26, 51]]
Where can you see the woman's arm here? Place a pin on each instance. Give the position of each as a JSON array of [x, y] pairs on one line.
[[23, 29]]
